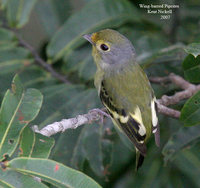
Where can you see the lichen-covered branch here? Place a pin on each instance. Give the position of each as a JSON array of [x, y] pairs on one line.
[[72, 123]]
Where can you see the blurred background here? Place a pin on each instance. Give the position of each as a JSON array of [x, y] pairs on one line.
[[54, 29]]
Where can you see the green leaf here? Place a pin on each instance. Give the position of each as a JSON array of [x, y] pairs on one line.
[[189, 164], [31, 76], [7, 39], [76, 144], [13, 59], [35, 77], [191, 67], [27, 142], [193, 49], [81, 60], [18, 12], [3, 3], [13, 55], [107, 151], [53, 172], [42, 146], [6, 35], [10, 178], [87, 68], [92, 148], [180, 140], [34, 144], [94, 16], [165, 54], [47, 15], [62, 9], [19, 107], [60, 95], [190, 113], [52, 14]]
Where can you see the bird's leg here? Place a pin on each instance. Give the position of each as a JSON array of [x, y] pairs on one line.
[[100, 112]]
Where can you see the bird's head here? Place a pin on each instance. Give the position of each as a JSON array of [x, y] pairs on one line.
[[110, 48]]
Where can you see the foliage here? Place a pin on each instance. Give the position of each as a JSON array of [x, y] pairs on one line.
[[96, 150]]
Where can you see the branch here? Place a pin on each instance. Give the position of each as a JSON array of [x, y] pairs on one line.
[[188, 89], [167, 111], [37, 57], [41, 62], [72, 123]]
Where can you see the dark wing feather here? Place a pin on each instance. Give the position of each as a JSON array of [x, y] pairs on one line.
[[131, 127], [140, 161]]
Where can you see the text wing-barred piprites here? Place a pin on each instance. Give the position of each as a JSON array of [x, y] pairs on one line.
[[130, 122]]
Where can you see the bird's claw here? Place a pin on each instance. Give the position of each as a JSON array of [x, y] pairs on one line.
[[100, 113]]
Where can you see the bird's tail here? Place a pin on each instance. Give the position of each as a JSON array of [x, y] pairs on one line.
[[139, 159]]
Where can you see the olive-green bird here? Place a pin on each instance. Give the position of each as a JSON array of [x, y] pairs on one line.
[[124, 89]]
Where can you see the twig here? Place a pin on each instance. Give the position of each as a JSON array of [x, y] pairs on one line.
[[41, 62], [159, 80], [188, 89], [72, 123], [168, 111], [37, 57]]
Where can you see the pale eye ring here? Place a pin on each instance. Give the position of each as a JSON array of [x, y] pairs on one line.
[[104, 47]]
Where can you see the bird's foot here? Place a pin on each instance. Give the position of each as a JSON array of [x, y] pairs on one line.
[[100, 113]]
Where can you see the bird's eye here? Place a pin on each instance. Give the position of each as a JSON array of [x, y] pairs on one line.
[[104, 47]]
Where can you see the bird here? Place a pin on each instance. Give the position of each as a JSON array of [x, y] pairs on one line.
[[124, 89]]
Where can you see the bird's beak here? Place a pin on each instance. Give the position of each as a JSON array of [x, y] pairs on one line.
[[88, 37]]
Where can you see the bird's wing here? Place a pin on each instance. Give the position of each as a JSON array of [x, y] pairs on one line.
[[129, 122]]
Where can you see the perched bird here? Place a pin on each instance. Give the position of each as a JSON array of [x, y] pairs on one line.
[[124, 89]]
